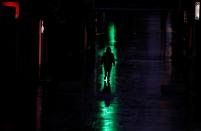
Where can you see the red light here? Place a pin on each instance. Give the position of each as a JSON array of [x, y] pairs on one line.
[[15, 5]]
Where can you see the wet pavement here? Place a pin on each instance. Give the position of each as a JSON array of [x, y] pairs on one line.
[[146, 92]]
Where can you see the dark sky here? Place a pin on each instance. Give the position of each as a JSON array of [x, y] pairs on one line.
[[137, 4]]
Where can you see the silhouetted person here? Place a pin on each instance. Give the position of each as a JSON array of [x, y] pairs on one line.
[[107, 61]]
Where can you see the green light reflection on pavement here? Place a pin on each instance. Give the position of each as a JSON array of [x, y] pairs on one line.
[[107, 114], [108, 117]]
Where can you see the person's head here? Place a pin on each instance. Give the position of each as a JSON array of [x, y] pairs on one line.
[[108, 50]]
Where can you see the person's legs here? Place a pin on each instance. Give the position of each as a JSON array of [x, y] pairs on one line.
[[106, 72], [109, 70]]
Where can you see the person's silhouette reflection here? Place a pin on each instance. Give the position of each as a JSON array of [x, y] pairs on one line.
[[107, 93]]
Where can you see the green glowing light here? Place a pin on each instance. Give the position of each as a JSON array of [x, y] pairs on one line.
[[108, 114], [112, 32], [111, 44]]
